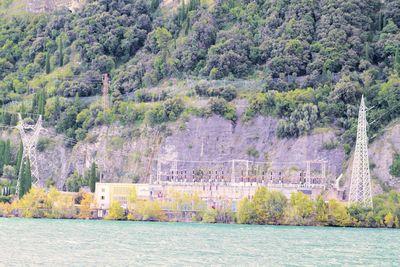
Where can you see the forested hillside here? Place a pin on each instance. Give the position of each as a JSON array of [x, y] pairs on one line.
[[312, 60]]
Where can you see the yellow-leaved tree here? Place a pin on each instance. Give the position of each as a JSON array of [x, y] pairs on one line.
[[116, 212], [86, 202]]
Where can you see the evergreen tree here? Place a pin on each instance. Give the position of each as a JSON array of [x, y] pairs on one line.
[[2, 150], [47, 66], [19, 158], [61, 50], [397, 61], [22, 109], [41, 102], [58, 108], [7, 153], [21, 185], [93, 177], [27, 176]]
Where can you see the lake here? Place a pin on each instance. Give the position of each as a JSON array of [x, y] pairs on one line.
[[112, 243]]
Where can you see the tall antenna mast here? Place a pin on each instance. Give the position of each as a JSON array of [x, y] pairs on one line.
[[360, 186]]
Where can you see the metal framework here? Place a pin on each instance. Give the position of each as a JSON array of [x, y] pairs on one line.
[[29, 136], [360, 185], [305, 174]]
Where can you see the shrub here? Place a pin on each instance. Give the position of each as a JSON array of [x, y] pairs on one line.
[[330, 145], [221, 107], [269, 206], [210, 216], [395, 167], [246, 213], [43, 144], [148, 211], [116, 212]]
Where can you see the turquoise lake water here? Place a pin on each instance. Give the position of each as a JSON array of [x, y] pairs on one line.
[[30, 242]]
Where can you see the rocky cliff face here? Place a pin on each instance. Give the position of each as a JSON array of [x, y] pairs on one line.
[[129, 153], [381, 153]]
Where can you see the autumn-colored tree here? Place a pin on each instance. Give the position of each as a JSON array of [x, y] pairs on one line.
[[86, 202], [116, 212], [301, 209], [245, 213]]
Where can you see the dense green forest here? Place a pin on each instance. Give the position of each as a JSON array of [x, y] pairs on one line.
[[313, 60]]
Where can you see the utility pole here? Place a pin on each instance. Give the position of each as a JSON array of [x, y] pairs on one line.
[[29, 135], [360, 186]]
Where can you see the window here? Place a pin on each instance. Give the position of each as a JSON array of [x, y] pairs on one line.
[[102, 197], [103, 190]]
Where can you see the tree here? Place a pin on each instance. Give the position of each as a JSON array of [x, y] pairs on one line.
[[395, 167], [93, 177], [61, 51], [301, 208], [116, 212], [210, 216], [389, 220], [338, 215], [245, 213], [397, 60], [2, 149], [47, 66], [86, 202], [7, 153], [269, 206], [19, 158], [321, 210], [27, 176]]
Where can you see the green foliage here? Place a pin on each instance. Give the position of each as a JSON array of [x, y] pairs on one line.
[[315, 45], [226, 92], [210, 216], [5, 154], [395, 167], [221, 107], [147, 211], [116, 212], [301, 209], [25, 178], [269, 206], [246, 213], [338, 214], [93, 177], [43, 144], [75, 181]]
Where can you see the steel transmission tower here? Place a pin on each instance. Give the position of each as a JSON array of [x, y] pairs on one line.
[[360, 185], [29, 136]]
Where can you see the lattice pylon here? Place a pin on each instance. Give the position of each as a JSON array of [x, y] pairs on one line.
[[29, 141], [360, 184]]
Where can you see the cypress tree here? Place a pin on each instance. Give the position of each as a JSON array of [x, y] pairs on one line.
[[397, 61], [187, 28], [57, 112], [27, 176], [2, 149], [21, 185], [35, 102], [41, 102], [93, 177], [61, 50], [22, 109], [47, 66], [19, 158], [7, 153]]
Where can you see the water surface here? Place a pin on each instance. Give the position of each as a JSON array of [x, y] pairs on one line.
[[111, 243]]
